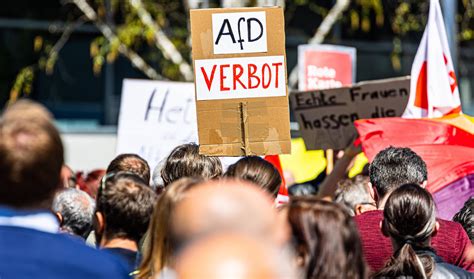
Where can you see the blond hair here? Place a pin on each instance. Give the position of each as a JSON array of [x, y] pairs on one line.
[[157, 248]]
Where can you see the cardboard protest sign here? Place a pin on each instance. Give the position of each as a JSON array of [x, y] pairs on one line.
[[155, 117], [326, 117], [325, 66], [240, 79]]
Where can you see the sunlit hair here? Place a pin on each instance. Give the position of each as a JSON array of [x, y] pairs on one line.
[[31, 154], [185, 161], [409, 220], [352, 192], [325, 239], [158, 248], [257, 170], [132, 163]]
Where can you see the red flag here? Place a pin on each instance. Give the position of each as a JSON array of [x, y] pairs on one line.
[[447, 150]]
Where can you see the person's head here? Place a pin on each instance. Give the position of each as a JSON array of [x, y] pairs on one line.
[[305, 189], [465, 217], [354, 195], [31, 155], [185, 161], [130, 163], [27, 110], [158, 250], [410, 222], [325, 239], [226, 205], [256, 170], [393, 167], [75, 211], [233, 256], [123, 208]]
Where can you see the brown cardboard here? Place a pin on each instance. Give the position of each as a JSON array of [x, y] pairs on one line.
[[243, 126], [326, 117]]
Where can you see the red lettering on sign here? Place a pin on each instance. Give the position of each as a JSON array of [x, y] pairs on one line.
[[266, 66], [223, 77], [238, 75], [276, 72], [252, 69], [206, 77]]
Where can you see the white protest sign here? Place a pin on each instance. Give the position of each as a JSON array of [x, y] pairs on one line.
[[239, 32], [155, 117], [245, 77]]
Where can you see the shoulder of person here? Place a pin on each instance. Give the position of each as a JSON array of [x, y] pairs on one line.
[[99, 262], [63, 254], [449, 225], [453, 232], [369, 216], [449, 271]]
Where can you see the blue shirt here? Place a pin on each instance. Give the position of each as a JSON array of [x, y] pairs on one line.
[[31, 248]]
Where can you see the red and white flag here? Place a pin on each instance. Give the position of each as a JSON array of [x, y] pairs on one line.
[[434, 89]]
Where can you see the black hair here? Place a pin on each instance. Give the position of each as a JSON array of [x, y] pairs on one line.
[[395, 166], [465, 217], [126, 203], [257, 170], [409, 220]]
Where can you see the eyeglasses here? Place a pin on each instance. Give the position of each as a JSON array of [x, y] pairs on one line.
[[104, 180]]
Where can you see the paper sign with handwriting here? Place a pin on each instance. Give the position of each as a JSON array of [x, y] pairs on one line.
[[239, 32], [155, 117], [232, 78], [326, 117], [240, 78]]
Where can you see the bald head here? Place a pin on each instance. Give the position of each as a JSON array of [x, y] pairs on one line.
[[226, 205], [232, 256]]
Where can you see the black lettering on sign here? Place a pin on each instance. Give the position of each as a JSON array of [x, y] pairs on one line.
[[332, 121], [167, 112], [403, 92], [151, 107], [317, 100], [354, 91], [238, 31], [381, 112], [249, 28], [229, 32], [357, 95], [226, 30]]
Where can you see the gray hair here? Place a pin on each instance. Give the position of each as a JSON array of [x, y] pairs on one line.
[[77, 210], [352, 192]]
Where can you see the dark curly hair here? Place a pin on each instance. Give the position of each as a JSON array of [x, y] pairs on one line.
[[465, 217]]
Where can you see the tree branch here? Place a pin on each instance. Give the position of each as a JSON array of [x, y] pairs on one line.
[[162, 41], [321, 33], [107, 32]]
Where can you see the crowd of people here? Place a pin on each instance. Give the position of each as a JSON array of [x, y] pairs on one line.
[[191, 218]]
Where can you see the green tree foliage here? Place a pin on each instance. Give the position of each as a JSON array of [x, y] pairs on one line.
[[396, 20]]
